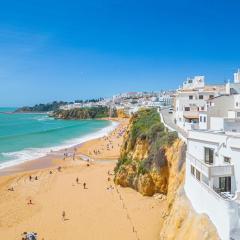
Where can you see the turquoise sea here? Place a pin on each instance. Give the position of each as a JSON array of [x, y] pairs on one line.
[[29, 136]]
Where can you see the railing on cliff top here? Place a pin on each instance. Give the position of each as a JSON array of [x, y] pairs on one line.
[[183, 138]]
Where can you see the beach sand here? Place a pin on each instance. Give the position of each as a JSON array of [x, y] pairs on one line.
[[101, 211], [107, 147]]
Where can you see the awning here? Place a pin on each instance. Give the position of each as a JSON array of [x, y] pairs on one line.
[[191, 116]]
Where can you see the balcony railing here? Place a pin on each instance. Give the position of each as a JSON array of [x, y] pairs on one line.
[[211, 170], [191, 126]]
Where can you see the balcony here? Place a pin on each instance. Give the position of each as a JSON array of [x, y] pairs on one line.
[[210, 170], [191, 126]]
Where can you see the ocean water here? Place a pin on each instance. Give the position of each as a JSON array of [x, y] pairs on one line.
[[28, 136]]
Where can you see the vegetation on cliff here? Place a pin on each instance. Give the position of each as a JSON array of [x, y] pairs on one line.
[[143, 164], [85, 113], [47, 107]]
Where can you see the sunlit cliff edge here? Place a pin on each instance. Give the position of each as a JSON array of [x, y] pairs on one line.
[[152, 162]]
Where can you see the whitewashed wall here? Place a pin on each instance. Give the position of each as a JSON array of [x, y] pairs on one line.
[[224, 214]]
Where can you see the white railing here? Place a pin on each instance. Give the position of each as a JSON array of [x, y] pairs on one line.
[[184, 139], [224, 170], [201, 166], [191, 126], [211, 170]]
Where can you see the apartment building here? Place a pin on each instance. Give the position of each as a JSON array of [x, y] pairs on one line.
[[222, 112], [213, 178], [191, 99], [212, 161]]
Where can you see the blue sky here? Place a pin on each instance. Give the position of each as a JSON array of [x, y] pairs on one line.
[[66, 50]]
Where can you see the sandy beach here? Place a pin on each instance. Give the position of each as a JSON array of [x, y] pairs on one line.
[[53, 201]]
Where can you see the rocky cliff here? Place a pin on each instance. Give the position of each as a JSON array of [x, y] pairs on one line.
[[85, 113], [153, 162]]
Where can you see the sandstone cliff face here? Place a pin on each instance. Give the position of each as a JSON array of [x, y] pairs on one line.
[[121, 114], [182, 222], [163, 172], [148, 174]]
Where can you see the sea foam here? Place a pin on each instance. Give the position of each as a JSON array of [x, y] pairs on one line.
[[28, 154]]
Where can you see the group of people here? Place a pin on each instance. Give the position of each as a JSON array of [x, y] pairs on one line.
[[84, 187], [84, 184], [32, 178], [66, 154], [109, 142]]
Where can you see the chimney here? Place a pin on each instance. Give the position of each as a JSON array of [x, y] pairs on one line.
[[237, 76]]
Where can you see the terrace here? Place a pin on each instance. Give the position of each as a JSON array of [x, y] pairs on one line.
[[215, 177]]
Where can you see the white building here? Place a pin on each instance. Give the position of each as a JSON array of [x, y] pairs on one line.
[[213, 179], [234, 87], [71, 106], [165, 100], [194, 83], [237, 76], [191, 99], [220, 113]]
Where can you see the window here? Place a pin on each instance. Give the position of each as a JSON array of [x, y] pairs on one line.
[[200, 118], [192, 170], [202, 108], [238, 114], [198, 175], [208, 155], [189, 81], [205, 119], [236, 104], [227, 159], [225, 184], [190, 97], [204, 179], [211, 96], [200, 96], [187, 109]]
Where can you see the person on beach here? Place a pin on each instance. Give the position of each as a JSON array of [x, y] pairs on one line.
[[30, 178], [77, 180], [36, 178], [30, 202], [84, 185], [63, 216]]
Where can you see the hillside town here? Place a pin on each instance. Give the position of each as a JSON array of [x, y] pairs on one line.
[[207, 119], [129, 102]]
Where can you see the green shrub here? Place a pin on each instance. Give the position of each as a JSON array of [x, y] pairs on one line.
[[122, 161], [146, 125], [141, 170]]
